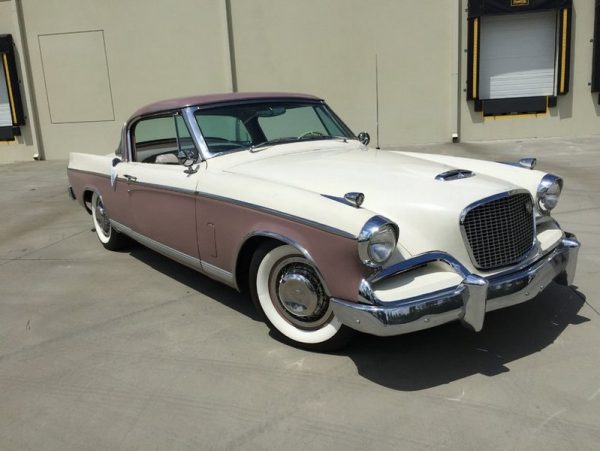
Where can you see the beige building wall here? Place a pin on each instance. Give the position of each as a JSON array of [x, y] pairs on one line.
[[577, 113], [392, 56], [95, 62], [26, 146], [393, 68]]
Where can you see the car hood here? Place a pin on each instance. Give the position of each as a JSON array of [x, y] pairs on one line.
[[400, 186]]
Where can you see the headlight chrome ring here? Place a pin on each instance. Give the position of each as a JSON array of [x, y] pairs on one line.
[[377, 241], [548, 192]]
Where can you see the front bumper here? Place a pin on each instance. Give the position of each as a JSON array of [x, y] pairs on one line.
[[467, 302]]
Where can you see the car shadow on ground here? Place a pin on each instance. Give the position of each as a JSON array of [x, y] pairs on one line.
[[428, 358], [451, 352], [196, 281]]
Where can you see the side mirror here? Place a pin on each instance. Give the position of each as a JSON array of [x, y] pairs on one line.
[[115, 161], [188, 157], [364, 138]]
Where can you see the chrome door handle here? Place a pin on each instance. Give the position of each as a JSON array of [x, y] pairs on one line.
[[130, 178]]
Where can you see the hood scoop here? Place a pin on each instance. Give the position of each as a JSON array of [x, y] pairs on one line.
[[454, 174]]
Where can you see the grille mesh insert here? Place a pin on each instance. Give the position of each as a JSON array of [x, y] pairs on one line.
[[500, 232]]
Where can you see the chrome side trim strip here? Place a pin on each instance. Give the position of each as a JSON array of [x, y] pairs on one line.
[[167, 251], [172, 189], [270, 211], [205, 268], [97, 174], [218, 274]]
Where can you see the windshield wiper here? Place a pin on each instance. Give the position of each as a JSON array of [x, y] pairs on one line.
[[339, 138], [288, 139], [318, 137], [270, 142]]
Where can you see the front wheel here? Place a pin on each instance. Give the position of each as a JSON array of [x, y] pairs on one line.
[[108, 236], [287, 290]]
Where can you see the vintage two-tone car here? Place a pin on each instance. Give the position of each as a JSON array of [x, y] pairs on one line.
[[272, 193]]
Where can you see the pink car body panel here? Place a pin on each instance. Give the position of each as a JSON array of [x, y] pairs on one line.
[[335, 256], [220, 228]]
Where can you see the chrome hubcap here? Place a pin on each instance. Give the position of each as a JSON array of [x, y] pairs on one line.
[[102, 218], [298, 294]]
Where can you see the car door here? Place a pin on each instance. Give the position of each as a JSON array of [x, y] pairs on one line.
[[162, 198]]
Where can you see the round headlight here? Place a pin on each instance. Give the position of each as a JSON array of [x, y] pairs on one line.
[[376, 241], [548, 192]]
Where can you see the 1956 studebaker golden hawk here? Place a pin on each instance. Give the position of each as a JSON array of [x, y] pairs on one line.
[[272, 193]]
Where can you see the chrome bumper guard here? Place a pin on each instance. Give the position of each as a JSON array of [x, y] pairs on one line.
[[467, 302]]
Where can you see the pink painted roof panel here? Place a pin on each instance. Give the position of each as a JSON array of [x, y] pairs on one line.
[[181, 102]]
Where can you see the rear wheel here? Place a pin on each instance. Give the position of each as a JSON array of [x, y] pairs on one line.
[[288, 291], [108, 236]]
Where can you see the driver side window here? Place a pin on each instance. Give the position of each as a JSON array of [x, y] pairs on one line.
[[160, 139]]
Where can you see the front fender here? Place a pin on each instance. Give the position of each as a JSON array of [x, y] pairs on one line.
[[321, 228]]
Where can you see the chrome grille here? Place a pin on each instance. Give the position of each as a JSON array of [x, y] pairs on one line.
[[500, 232]]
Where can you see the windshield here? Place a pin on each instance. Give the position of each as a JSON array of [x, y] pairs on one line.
[[252, 125]]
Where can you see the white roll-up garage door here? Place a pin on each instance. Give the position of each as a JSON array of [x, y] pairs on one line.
[[517, 55]]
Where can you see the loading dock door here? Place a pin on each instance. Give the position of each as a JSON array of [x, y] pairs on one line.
[[518, 55]]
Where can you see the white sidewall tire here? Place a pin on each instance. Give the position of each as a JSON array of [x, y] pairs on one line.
[[320, 335], [103, 238]]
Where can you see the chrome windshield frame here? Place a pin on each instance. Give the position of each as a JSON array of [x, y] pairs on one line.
[[190, 111]]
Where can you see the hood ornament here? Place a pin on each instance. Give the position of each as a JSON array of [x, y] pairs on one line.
[[356, 199], [454, 174]]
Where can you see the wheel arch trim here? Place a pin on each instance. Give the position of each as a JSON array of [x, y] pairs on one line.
[[276, 237]]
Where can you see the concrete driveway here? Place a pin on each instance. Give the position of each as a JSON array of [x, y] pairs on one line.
[[129, 350]]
